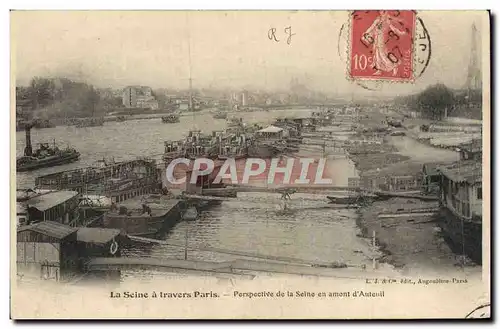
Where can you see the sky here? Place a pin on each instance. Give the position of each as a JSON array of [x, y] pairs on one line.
[[228, 49]]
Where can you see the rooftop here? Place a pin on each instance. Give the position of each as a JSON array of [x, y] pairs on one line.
[[270, 129], [463, 171], [96, 234], [46, 201], [475, 145], [431, 168], [53, 229], [22, 195]]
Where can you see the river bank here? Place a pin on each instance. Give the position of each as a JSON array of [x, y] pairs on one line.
[[406, 230], [412, 243], [406, 240]]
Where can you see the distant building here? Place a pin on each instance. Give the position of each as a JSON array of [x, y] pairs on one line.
[[234, 97], [139, 97], [283, 98], [23, 106], [108, 93], [244, 98], [183, 105]]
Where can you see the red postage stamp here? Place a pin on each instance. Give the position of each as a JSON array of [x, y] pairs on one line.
[[381, 45]]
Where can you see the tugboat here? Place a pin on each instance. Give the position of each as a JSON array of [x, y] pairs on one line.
[[195, 145], [220, 115], [45, 156], [172, 118], [90, 122]]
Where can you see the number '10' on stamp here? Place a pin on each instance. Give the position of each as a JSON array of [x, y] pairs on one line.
[[381, 45]]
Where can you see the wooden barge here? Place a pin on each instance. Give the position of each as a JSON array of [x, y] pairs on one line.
[[141, 218], [117, 182], [460, 197]]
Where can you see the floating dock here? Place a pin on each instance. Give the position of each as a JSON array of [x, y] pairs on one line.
[[239, 268], [140, 217]]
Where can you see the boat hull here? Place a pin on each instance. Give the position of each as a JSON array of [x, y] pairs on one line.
[[262, 151], [170, 119], [143, 225], [45, 163], [466, 238], [202, 205], [342, 200]]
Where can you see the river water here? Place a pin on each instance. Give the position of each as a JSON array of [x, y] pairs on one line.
[[252, 223]]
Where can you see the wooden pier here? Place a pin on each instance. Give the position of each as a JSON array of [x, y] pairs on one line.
[[243, 269], [188, 267]]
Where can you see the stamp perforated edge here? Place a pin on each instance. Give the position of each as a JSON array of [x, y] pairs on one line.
[[379, 80]]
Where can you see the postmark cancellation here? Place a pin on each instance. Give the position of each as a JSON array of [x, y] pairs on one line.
[[387, 45]]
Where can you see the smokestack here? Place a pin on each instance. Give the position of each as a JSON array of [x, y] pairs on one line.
[[28, 150]]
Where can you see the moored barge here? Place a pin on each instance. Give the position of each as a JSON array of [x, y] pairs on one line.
[[143, 219], [171, 118], [460, 198], [112, 183]]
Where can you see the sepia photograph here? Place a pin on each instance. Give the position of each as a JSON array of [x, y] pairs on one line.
[[250, 164]]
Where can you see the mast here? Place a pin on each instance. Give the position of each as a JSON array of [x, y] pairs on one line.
[[28, 150], [190, 106]]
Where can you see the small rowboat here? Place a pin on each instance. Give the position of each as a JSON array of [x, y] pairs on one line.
[[343, 200], [349, 199]]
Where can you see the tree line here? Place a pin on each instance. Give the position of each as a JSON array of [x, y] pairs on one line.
[[61, 98], [438, 100]]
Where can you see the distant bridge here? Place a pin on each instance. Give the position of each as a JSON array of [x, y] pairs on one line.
[[318, 189], [305, 106]]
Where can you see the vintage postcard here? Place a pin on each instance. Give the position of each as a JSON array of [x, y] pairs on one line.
[[250, 164]]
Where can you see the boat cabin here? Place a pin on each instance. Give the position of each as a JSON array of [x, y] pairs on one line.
[[217, 134], [119, 181], [99, 242], [461, 189], [271, 132], [173, 147], [57, 206], [194, 136], [292, 126], [431, 177], [47, 250], [472, 150]]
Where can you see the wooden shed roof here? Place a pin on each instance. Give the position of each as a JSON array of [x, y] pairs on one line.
[[53, 229]]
